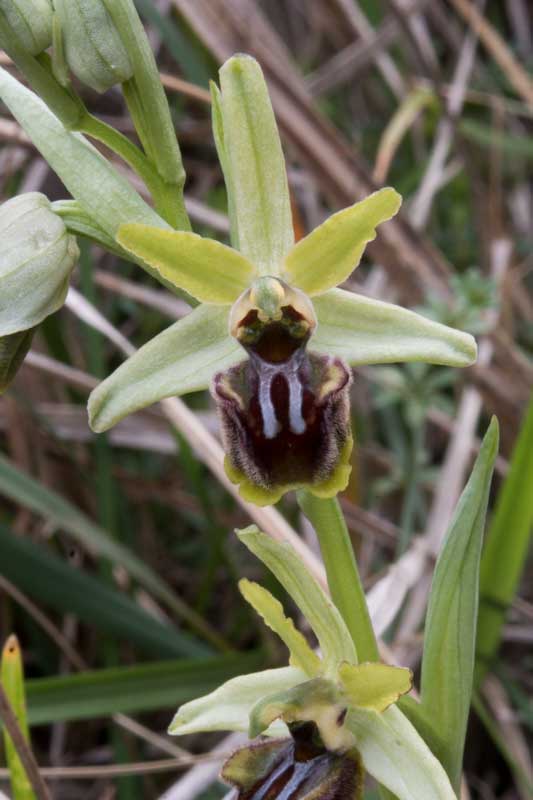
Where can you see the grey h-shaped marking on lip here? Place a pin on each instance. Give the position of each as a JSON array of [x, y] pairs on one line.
[[267, 372]]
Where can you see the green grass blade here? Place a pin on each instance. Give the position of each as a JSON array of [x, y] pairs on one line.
[[449, 645], [129, 690], [21, 488], [12, 673], [507, 547], [54, 583]]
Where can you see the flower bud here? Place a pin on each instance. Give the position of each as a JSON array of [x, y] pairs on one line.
[[30, 23], [37, 256], [13, 351], [94, 49]]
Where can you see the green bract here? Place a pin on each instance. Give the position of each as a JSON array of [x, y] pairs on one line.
[[36, 260], [351, 704], [29, 23], [259, 294], [93, 47]]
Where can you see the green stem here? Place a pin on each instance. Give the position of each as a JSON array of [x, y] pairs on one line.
[[167, 197], [341, 569]]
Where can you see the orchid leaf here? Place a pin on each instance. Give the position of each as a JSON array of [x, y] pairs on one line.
[[89, 177], [254, 166], [397, 757], [365, 331], [329, 254], [324, 618], [374, 686], [207, 269], [449, 645], [228, 707], [181, 359], [505, 554], [271, 610]]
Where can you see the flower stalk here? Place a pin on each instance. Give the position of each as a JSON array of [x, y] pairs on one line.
[[344, 581]]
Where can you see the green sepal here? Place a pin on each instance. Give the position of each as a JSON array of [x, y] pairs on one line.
[[181, 359], [228, 707], [217, 121], [254, 166], [271, 611], [328, 255], [374, 686], [207, 269], [397, 757], [324, 618], [361, 330]]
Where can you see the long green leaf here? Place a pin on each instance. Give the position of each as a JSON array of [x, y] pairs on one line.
[[52, 582], [507, 546], [128, 690], [450, 633], [23, 489]]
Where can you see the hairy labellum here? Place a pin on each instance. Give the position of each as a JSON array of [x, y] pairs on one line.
[[284, 412], [299, 768]]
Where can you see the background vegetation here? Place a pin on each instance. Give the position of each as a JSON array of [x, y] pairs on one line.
[[118, 565]]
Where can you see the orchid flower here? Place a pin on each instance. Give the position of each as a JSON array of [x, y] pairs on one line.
[[284, 412], [351, 704]]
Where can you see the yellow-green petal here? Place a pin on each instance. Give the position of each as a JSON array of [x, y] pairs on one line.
[[271, 610], [374, 686], [323, 616], [329, 254], [365, 331], [207, 269]]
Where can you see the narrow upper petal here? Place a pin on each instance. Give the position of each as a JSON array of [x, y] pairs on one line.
[[365, 331], [181, 359], [318, 609], [228, 707], [397, 756], [327, 256], [207, 269], [271, 611]]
